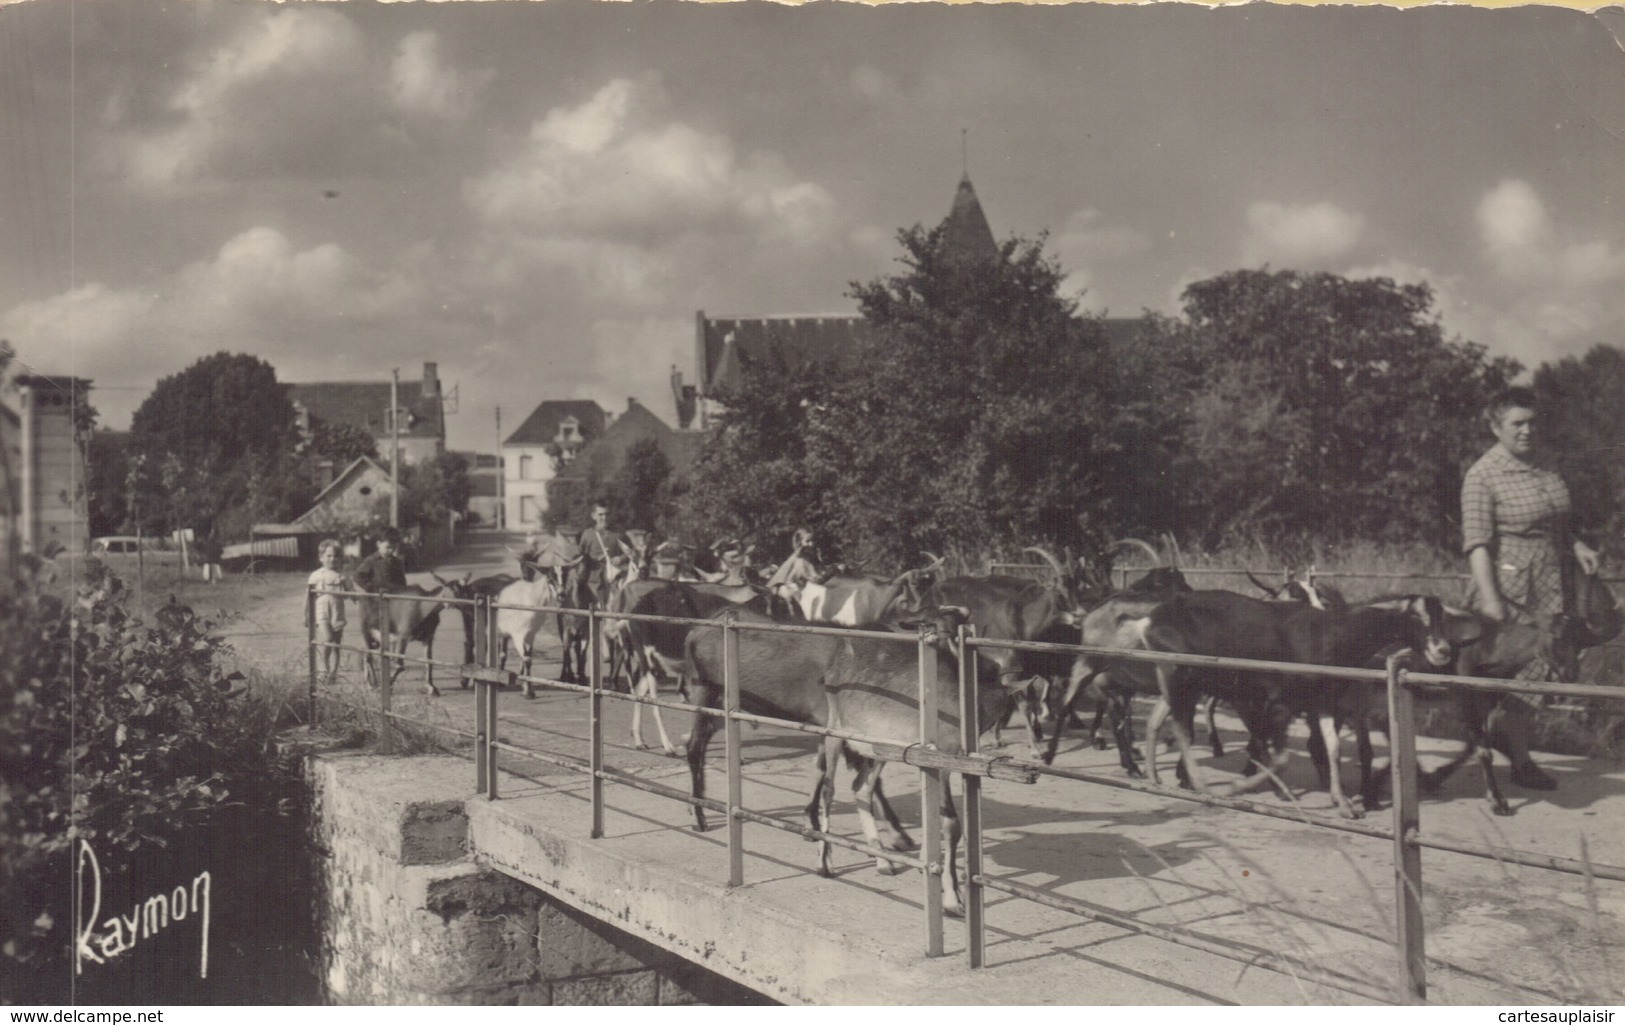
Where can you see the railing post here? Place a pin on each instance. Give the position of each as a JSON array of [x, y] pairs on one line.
[[595, 719], [970, 727], [931, 783], [386, 680], [310, 645], [483, 727], [1407, 823], [730, 732]]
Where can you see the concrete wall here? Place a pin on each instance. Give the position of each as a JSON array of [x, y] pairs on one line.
[[410, 918]]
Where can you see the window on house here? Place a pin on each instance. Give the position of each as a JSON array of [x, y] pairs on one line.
[[570, 430], [528, 510], [525, 467]]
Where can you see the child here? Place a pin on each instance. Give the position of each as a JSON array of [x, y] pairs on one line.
[[329, 607]]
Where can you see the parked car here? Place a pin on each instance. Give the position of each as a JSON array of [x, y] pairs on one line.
[[125, 549]]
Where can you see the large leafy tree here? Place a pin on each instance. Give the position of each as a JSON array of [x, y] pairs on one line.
[[1580, 402], [976, 419], [1367, 413], [340, 442], [218, 437], [754, 478]]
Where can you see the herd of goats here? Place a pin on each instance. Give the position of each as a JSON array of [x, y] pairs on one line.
[[855, 682]]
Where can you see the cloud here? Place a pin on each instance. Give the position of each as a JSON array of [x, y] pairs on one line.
[[875, 86], [1299, 237], [1554, 294], [308, 310], [293, 91], [1090, 251], [420, 80], [1522, 242], [633, 203]]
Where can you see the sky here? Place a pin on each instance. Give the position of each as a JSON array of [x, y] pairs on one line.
[[539, 196]]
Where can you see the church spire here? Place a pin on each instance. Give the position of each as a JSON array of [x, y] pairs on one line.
[[966, 233]]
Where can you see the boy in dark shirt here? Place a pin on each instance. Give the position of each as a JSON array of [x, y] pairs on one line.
[[383, 572]]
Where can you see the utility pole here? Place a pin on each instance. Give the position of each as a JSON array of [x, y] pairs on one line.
[[502, 506], [395, 449]]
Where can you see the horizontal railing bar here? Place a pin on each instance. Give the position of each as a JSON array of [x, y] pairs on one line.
[[441, 727], [1215, 800], [1572, 690], [1303, 669], [1260, 957], [809, 833], [1550, 862], [398, 596], [562, 761], [1518, 857], [660, 790]]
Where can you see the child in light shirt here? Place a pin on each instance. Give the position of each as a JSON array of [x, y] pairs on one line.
[[328, 608]]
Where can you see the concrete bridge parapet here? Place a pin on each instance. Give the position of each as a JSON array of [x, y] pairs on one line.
[[410, 916]]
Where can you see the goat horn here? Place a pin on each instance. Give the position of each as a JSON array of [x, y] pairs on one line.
[[1260, 584], [1060, 574], [936, 561], [1173, 546], [1134, 542]]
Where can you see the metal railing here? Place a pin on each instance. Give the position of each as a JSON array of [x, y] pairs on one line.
[[1405, 834]]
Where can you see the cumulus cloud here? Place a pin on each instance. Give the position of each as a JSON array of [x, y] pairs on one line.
[[1555, 293], [294, 90], [612, 191], [1305, 236], [421, 80], [305, 308]]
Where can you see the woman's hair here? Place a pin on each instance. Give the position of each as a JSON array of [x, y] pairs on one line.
[[329, 544], [1509, 398]]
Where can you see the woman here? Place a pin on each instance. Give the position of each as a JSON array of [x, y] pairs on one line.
[[1515, 534]]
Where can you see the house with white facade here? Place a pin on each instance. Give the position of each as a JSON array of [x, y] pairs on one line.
[[544, 444]]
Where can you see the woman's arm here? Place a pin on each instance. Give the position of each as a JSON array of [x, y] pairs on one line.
[[1483, 567], [1586, 556]]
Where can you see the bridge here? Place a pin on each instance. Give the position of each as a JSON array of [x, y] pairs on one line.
[[1110, 893]]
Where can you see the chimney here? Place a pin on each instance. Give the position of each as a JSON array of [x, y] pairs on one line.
[[630, 403], [683, 397], [431, 381]]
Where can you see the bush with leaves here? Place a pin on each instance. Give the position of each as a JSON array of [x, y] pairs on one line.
[[129, 735]]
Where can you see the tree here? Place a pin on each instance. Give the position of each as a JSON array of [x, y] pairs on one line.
[[220, 435], [975, 420], [107, 468], [1372, 413], [434, 489], [341, 443], [753, 478], [1580, 402]]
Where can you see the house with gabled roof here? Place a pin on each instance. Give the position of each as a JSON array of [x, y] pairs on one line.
[[544, 444], [602, 458], [366, 405]]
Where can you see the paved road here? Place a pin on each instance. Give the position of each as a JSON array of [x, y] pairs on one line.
[[1500, 933]]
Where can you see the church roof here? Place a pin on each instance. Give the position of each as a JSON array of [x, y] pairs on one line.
[[966, 233]]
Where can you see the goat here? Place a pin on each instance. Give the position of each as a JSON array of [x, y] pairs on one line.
[[1500, 650], [858, 683], [1221, 623], [1295, 587], [519, 616], [408, 621], [467, 590]]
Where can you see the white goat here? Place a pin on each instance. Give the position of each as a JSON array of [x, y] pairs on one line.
[[518, 626]]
